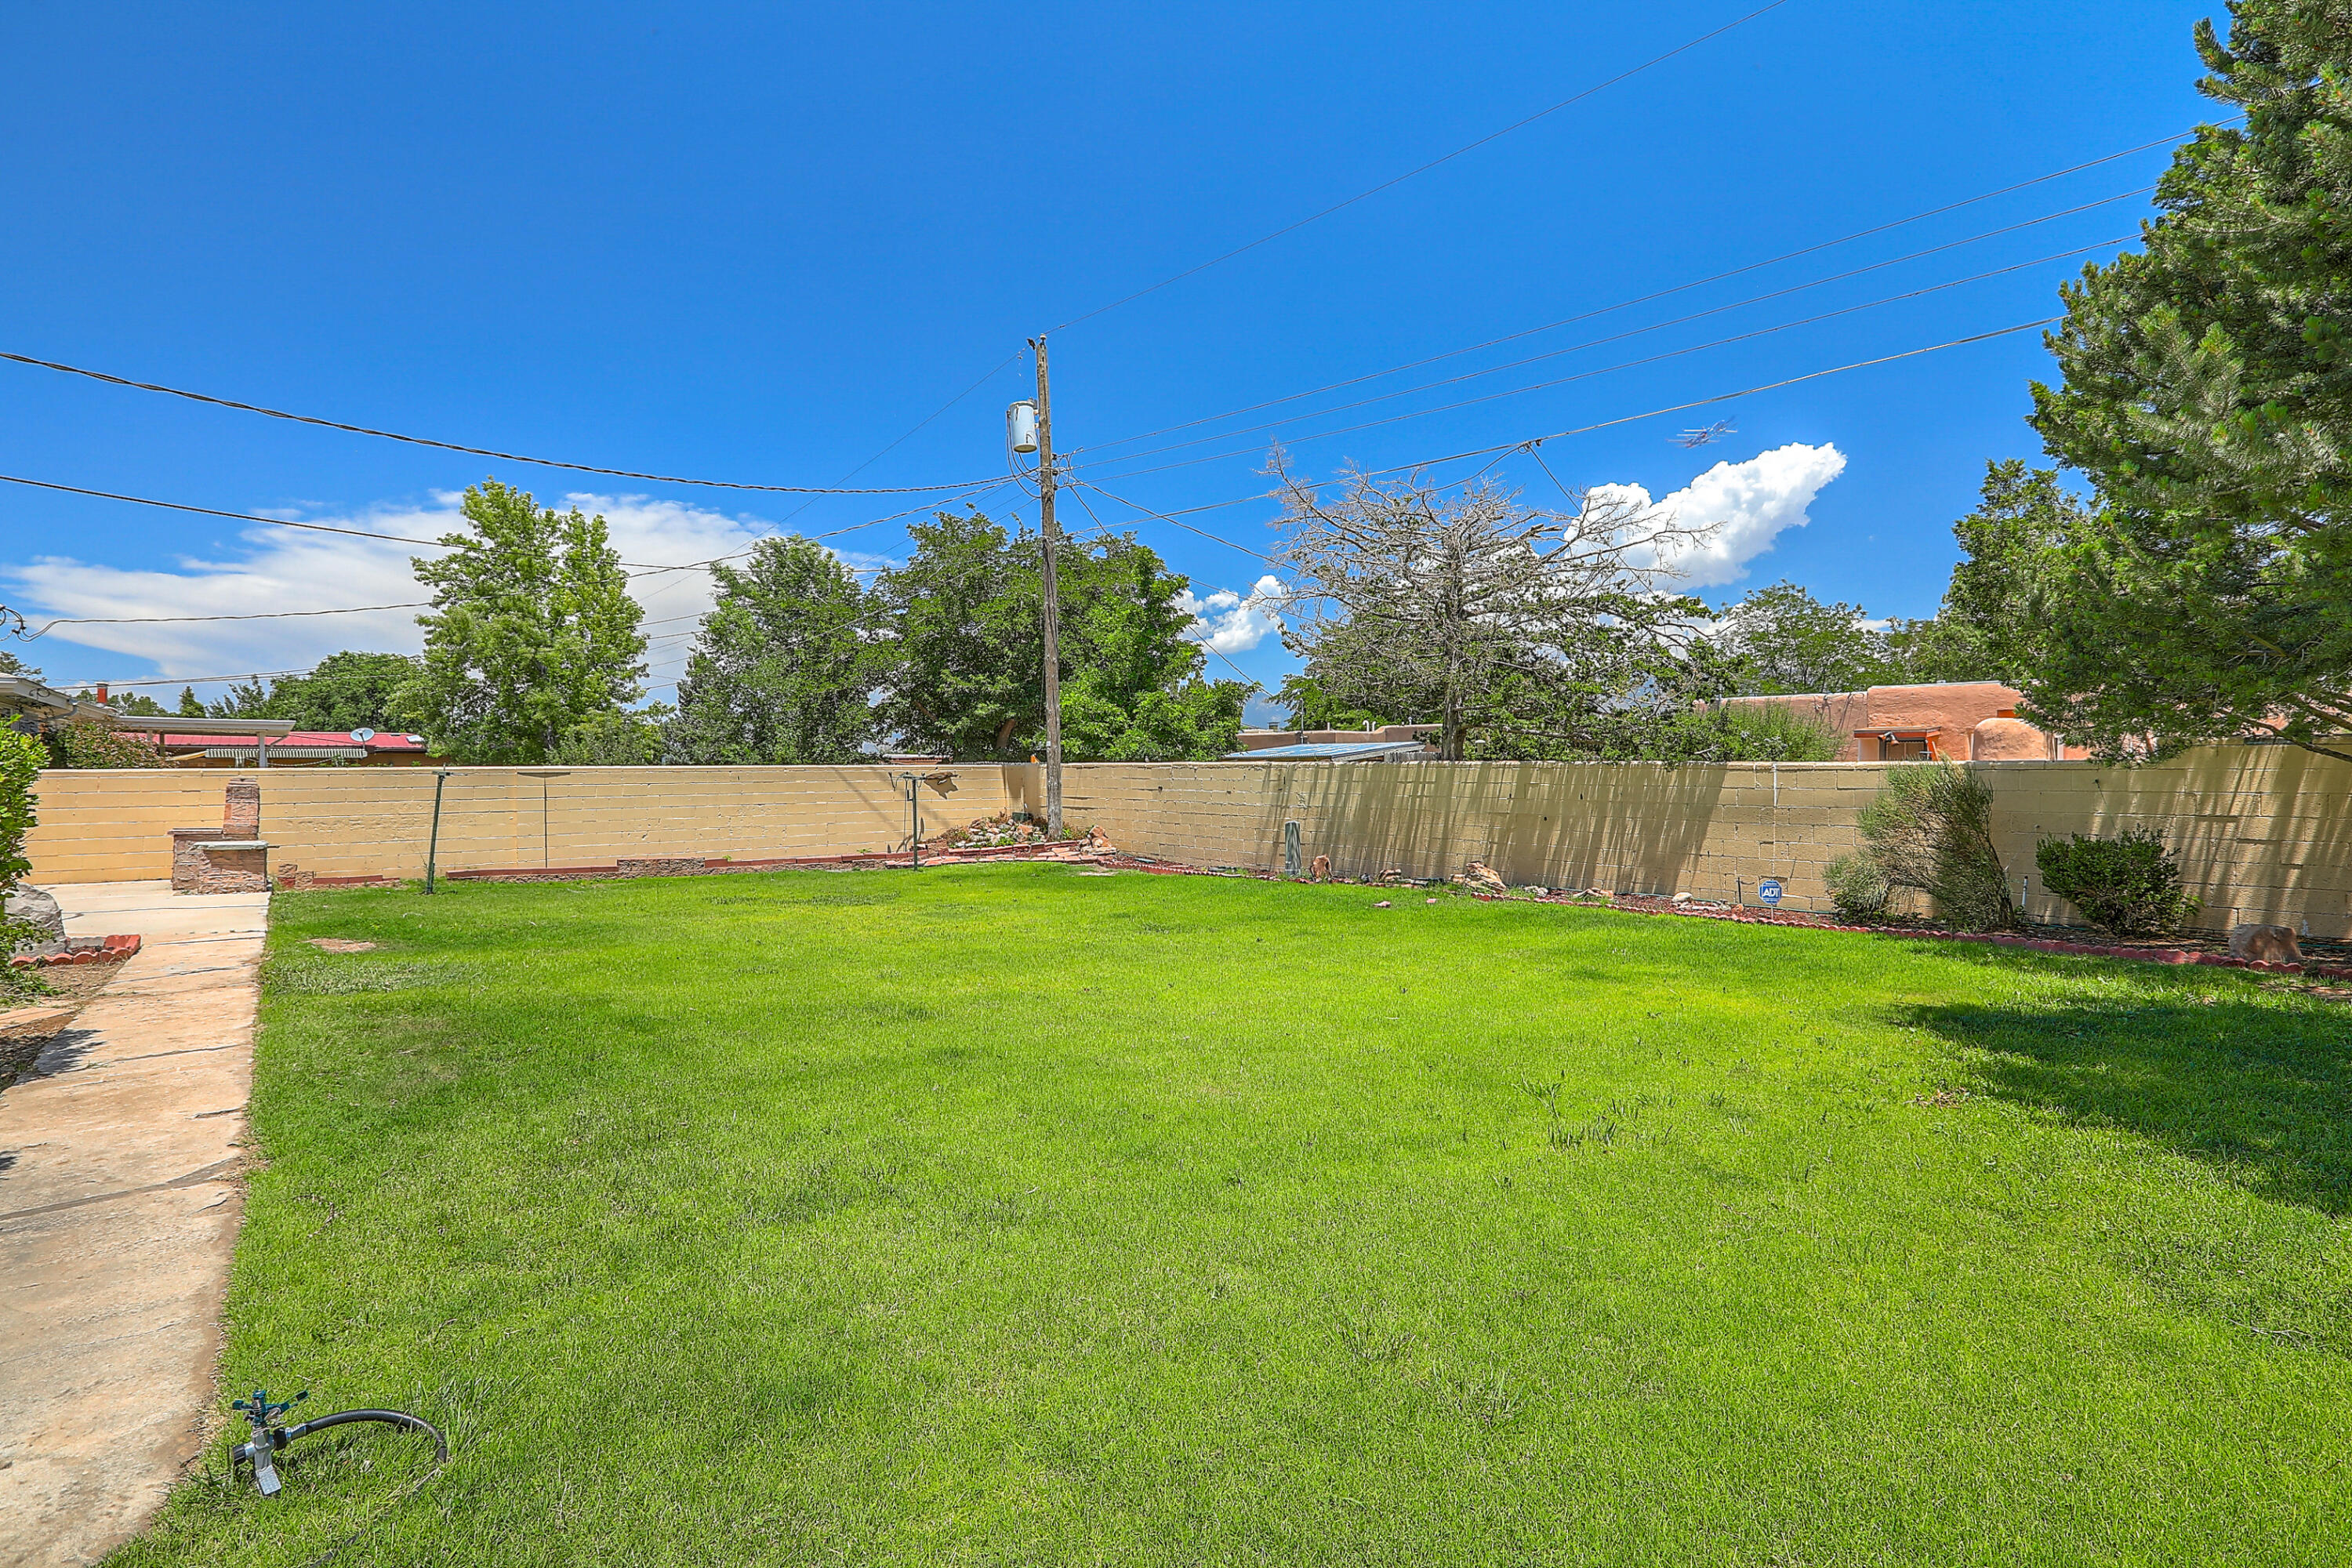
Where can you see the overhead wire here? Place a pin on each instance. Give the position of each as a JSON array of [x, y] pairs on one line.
[[1172, 515], [1611, 338], [111, 380], [1421, 168], [1662, 293], [1623, 364], [1202, 643], [255, 615], [1588, 342]]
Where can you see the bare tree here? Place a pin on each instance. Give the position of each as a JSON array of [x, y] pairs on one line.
[[1508, 613]]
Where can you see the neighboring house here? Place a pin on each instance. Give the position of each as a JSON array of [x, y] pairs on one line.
[[297, 748], [28, 705], [1267, 739], [1957, 720]]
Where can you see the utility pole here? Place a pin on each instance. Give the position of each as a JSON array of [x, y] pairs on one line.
[[1053, 616]]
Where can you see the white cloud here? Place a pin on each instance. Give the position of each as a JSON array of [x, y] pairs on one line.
[[1231, 623], [286, 569], [1751, 502]]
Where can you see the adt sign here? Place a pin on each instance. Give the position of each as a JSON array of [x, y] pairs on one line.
[[1768, 889]]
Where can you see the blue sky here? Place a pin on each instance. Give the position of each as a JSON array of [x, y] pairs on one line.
[[762, 243]]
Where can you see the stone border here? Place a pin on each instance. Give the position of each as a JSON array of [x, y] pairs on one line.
[[1068, 849], [2174, 955]]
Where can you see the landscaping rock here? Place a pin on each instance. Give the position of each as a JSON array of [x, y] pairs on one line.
[[2264, 944], [1478, 876], [33, 905]]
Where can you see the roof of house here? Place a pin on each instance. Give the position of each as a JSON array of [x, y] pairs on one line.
[[1357, 751], [338, 740]]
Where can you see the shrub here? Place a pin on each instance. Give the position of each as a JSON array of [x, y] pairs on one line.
[[1746, 732], [1931, 829], [20, 758], [86, 744], [2126, 884], [1857, 887]]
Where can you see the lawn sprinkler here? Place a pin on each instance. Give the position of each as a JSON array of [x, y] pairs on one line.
[[268, 1438]]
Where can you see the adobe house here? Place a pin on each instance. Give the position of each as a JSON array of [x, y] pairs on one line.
[[1954, 720]]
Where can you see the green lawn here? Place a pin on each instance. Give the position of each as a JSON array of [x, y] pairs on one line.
[[1013, 1214]]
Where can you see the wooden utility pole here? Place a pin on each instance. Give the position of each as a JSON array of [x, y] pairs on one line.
[[1053, 612]]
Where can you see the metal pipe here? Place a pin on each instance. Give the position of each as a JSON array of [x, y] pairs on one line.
[[433, 845]]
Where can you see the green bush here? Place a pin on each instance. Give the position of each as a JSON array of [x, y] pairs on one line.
[[1857, 887], [21, 757], [86, 744], [2126, 884], [1931, 829]]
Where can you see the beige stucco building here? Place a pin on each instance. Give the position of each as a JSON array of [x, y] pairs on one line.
[[1958, 720]]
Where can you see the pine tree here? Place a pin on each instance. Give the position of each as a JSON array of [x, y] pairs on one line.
[[2206, 395]]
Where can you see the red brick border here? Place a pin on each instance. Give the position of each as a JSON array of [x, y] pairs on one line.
[[111, 950]]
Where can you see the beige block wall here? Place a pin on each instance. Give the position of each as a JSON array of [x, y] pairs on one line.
[[2261, 832], [113, 826]]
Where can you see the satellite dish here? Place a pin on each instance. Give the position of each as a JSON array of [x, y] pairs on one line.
[[363, 736]]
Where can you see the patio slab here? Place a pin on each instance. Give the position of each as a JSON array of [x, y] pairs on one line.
[[120, 1159]]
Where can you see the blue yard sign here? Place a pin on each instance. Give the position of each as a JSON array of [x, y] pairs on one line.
[[1768, 889]]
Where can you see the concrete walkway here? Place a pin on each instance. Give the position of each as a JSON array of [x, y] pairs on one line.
[[119, 1198]]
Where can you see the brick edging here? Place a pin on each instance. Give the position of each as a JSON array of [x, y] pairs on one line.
[[106, 950]]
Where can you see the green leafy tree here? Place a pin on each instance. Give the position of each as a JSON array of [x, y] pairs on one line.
[[2207, 395], [139, 707], [191, 705], [623, 738], [1785, 641], [344, 691], [11, 665], [966, 656], [786, 666], [533, 633], [1346, 685], [244, 700]]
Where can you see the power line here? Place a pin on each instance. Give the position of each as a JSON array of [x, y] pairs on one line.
[[212, 511], [1625, 364], [640, 568], [257, 615], [198, 680], [1590, 343], [1422, 169], [1169, 519], [1642, 332], [486, 451], [1666, 293], [1171, 515]]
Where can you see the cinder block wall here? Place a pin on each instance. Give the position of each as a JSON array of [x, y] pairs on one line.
[[114, 825], [2261, 832]]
